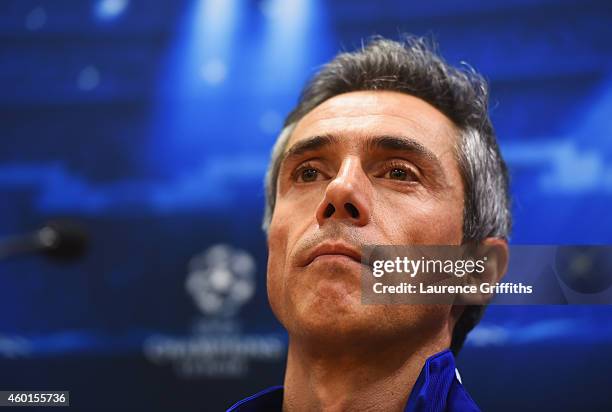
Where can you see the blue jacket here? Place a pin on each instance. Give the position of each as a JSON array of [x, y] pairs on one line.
[[437, 389]]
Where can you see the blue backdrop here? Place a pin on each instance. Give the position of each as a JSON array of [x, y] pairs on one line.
[[151, 122]]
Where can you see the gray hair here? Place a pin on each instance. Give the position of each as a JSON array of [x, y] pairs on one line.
[[414, 67]]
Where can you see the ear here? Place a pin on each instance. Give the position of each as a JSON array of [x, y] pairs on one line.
[[497, 255]]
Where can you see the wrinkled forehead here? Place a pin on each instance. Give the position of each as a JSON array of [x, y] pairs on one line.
[[355, 116]]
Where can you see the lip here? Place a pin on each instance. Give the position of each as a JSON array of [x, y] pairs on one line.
[[333, 249]]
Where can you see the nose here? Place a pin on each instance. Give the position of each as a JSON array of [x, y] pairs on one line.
[[346, 196]]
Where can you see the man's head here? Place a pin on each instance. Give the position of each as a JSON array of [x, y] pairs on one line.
[[388, 145]]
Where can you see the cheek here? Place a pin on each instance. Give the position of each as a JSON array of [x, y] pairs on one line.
[[412, 219], [300, 204], [277, 256], [443, 223]]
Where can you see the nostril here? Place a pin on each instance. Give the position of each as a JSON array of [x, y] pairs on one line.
[[329, 210], [352, 210]]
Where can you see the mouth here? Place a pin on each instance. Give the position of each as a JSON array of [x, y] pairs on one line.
[[328, 250]]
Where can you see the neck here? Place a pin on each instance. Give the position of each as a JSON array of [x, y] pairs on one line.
[[366, 377]]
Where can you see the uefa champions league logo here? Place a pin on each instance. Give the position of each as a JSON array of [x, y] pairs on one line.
[[221, 279]]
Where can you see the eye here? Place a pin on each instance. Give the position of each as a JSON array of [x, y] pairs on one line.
[[306, 174], [400, 172]]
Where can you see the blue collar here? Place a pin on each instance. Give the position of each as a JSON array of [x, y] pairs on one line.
[[437, 389]]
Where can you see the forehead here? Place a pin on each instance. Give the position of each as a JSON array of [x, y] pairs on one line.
[[368, 113]]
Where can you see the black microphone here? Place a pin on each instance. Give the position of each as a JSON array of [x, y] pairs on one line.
[[61, 239]]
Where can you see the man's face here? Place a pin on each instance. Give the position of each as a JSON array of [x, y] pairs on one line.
[[362, 168]]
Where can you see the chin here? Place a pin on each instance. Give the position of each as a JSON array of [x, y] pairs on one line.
[[329, 313], [332, 330]]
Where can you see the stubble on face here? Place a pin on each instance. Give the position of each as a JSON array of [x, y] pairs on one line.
[[322, 299]]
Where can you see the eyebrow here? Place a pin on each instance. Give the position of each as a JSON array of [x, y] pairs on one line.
[[310, 144], [404, 144], [384, 142]]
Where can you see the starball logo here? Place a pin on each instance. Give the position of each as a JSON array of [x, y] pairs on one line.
[[220, 281]]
